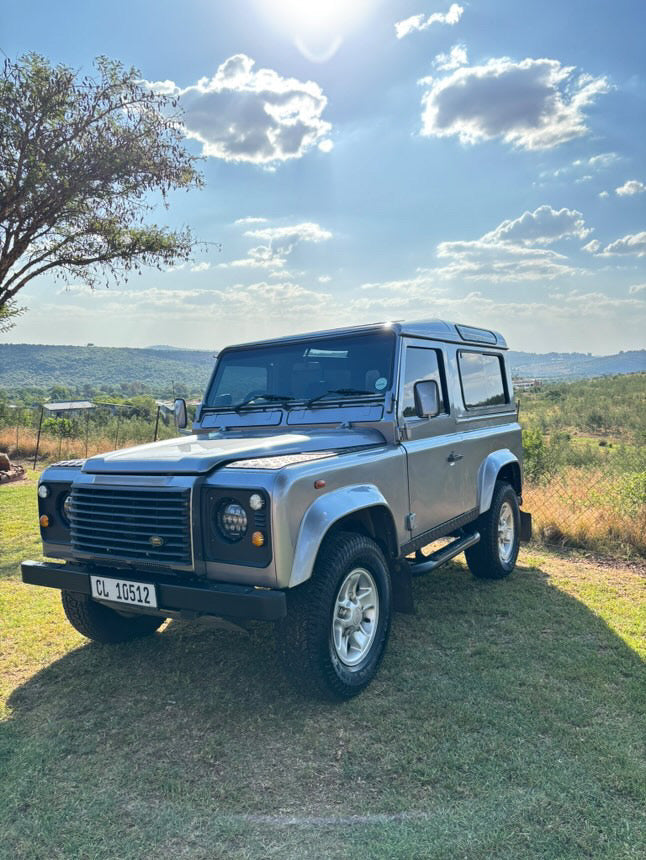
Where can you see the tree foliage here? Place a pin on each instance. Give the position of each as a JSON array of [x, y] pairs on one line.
[[79, 158]]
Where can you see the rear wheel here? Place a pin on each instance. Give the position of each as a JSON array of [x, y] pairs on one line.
[[103, 624], [337, 625], [494, 556]]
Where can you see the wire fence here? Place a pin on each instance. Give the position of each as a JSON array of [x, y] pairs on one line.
[[588, 496]]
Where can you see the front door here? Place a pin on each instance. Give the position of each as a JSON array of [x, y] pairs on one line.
[[432, 444]]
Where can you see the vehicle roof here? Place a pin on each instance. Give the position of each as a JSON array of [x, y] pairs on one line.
[[434, 329]]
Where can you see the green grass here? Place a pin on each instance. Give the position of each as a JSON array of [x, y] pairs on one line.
[[507, 722]]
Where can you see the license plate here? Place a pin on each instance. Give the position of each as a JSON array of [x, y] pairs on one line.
[[124, 591]]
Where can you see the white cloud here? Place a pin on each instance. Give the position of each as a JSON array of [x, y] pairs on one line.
[[201, 267], [634, 243], [637, 288], [512, 252], [324, 279], [279, 244], [242, 115], [250, 219], [542, 226], [498, 262], [594, 163], [456, 57], [604, 159], [632, 186], [423, 22], [592, 246], [305, 232], [533, 104], [603, 194]]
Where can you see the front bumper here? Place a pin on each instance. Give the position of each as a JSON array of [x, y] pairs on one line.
[[208, 598]]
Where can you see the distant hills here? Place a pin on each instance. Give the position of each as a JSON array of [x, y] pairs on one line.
[[34, 365], [158, 367], [575, 365]]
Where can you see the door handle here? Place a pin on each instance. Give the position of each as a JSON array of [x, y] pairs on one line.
[[453, 457]]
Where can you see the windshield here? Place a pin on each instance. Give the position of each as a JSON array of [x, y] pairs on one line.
[[334, 368]]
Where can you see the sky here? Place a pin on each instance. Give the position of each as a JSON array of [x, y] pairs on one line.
[[481, 162]]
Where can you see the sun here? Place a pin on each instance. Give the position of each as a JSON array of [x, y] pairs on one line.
[[317, 26]]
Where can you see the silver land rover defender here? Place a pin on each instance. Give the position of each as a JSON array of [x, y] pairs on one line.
[[318, 468]]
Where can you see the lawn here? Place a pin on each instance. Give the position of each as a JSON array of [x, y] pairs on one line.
[[507, 722]]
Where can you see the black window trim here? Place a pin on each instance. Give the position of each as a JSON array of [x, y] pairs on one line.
[[377, 396], [495, 407], [441, 366]]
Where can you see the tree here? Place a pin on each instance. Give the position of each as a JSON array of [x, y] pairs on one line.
[[79, 158]]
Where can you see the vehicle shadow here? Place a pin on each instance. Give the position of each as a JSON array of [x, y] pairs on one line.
[[491, 687]]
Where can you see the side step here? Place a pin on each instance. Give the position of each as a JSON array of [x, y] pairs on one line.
[[446, 553]]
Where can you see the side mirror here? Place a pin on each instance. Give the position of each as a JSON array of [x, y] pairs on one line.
[[427, 399], [181, 418]]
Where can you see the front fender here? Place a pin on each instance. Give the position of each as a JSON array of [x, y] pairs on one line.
[[488, 472], [320, 516]]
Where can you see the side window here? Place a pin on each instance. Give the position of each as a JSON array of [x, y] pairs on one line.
[[482, 379], [421, 363]]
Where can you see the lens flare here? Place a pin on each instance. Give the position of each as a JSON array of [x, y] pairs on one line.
[[317, 27]]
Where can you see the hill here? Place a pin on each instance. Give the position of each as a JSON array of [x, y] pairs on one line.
[[575, 365], [36, 365], [158, 368]]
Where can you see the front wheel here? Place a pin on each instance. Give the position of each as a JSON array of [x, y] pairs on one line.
[[337, 625], [102, 624], [494, 556]]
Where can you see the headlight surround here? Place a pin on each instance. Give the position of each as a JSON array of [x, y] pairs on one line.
[[231, 520], [66, 508]]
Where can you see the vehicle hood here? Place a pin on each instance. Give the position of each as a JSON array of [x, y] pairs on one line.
[[198, 454]]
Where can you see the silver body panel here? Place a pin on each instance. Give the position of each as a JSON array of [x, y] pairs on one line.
[[419, 472]]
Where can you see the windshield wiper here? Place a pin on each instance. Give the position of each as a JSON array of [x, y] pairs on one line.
[[342, 391], [272, 398]]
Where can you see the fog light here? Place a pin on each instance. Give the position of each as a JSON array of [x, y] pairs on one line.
[[44, 521], [43, 491], [258, 539], [256, 502]]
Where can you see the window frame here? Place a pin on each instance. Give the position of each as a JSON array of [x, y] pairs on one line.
[[495, 407], [444, 391]]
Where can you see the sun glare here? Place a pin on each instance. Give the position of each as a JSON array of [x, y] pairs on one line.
[[317, 26]]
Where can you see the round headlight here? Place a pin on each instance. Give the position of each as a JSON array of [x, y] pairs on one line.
[[43, 491], [67, 508], [231, 519], [256, 502]]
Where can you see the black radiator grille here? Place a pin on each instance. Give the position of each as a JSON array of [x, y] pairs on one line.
[[144, 524]]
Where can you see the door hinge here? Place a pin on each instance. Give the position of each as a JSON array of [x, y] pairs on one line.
[[410, 521]]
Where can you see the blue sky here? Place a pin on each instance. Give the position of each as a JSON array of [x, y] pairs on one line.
[[479, 161]]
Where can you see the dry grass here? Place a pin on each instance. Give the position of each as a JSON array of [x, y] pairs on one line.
[[587, 508], [52, 448]]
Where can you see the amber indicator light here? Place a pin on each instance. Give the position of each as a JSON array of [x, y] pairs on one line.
[[44, 521]]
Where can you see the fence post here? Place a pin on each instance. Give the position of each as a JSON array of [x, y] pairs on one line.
[[157, 423], [40, 424]]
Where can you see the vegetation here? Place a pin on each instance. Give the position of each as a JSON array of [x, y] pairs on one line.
[[585, 463], [584, 442], [31, 371], [78, 161], [32, 365], [504, 724]]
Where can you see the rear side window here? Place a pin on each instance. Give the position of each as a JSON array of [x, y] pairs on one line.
[[482, 379]]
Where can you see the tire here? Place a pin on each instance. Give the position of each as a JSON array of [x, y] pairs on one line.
[[494, 556], [103, 624], [317, 641]]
